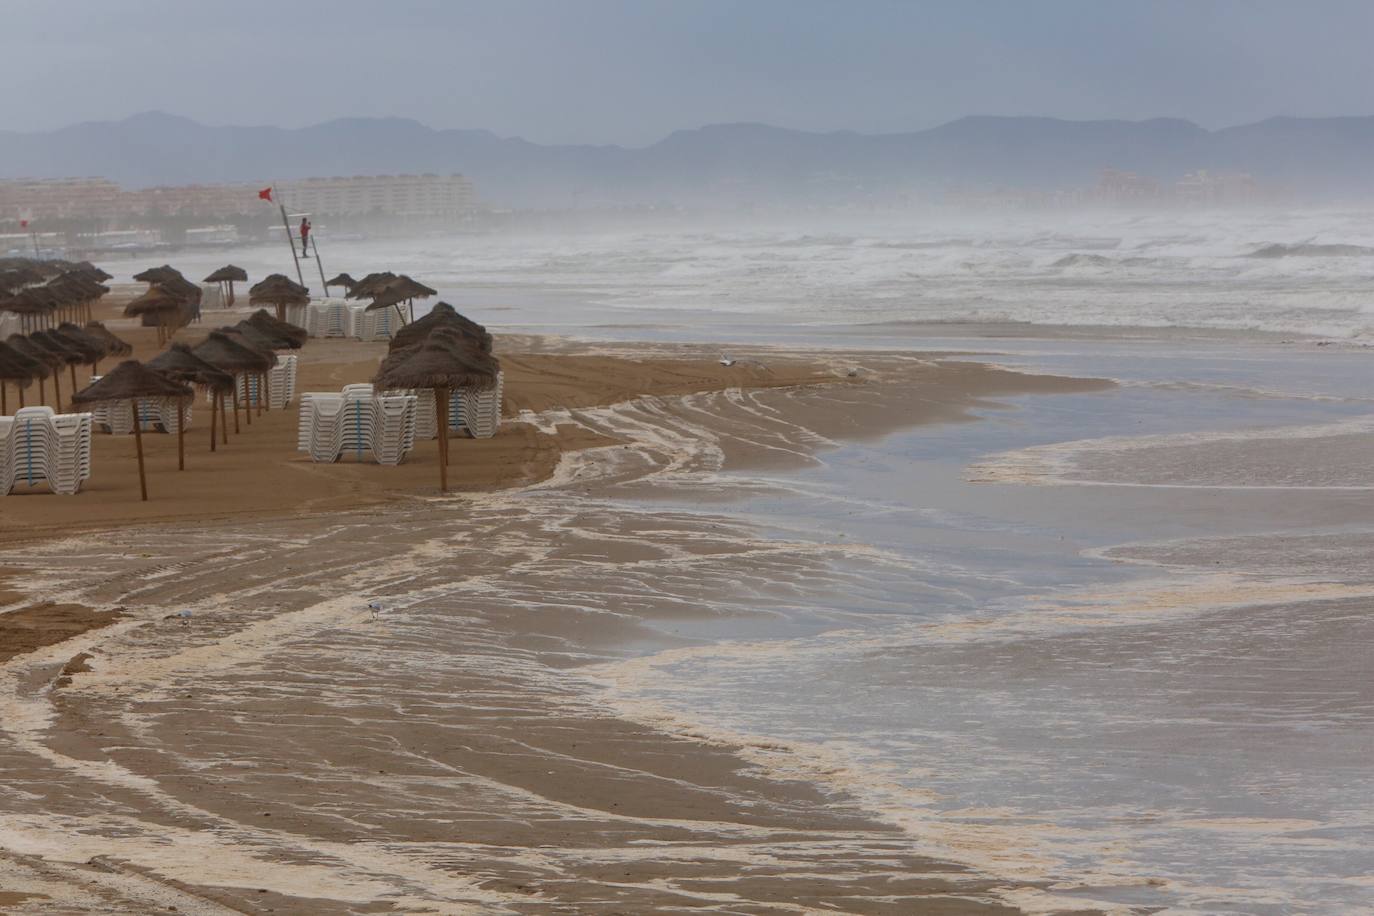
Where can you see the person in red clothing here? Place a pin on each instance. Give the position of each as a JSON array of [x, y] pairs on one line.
[[305, 236]]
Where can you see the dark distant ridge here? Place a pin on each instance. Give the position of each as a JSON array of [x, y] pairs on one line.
[[728, 164]]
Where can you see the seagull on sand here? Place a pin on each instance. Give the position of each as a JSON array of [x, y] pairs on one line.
[[375, 607]]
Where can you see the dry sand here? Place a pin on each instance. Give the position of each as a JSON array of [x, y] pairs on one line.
[[281, 751]]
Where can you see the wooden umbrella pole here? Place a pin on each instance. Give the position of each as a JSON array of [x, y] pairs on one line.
[[42, 392], [73, 368], [261, 376], [57, 390], [441, 415], [213, 432], [21, 394], [181, 435], [138, 445], [267, 388], [4, 401]]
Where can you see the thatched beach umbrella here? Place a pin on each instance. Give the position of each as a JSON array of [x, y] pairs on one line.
[[94, 348], [343, 280], [249, 336], [34, 305], [283, 330], [131, 381], [157, 301], [18, 369], [75, 353], [370, 285], [401, 289], [280, 291], [226, 277], [442, 363], [229, 355], [51, 361], [442, 315], [154, 274], [179, 364], [114, 345]]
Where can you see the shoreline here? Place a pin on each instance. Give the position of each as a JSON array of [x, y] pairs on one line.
[[262, 589]]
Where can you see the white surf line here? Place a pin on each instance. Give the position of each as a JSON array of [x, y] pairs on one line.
[[1053, 463]]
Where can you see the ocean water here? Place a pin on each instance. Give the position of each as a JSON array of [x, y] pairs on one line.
[[1131, 735], [1016, 684], [861, 274]]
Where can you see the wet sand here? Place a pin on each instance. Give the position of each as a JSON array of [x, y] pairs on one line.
[[281, 749]]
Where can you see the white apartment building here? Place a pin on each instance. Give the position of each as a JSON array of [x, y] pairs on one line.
[[391, 195]]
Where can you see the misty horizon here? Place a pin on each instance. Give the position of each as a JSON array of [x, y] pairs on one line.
[[155, 113], [626, 73]]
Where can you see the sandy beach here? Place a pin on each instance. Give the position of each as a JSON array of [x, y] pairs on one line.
[[279, 748]]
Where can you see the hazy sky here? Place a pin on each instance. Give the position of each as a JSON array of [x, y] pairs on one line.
[[630, 71]]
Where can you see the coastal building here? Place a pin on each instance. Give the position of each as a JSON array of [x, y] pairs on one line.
[[59, 198], [430, 196], [390, 195]]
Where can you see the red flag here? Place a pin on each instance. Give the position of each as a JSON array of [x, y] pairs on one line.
[[265, 194], [23, 224]]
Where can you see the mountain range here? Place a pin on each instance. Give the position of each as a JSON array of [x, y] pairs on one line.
[[717, 165]]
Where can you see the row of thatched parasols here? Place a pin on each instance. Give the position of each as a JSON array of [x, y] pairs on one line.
[[42, 355], [44, 294], [214, 366], [442, 351]]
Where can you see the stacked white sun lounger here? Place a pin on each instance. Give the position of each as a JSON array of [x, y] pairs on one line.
[[375, 325], [476, 411], [356, 422], [154, 415], [346, 318], [10, 323], [480, 408], [38, 445], [328, 318], [281, 382]]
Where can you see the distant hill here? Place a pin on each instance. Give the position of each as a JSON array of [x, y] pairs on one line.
[[724, 164]]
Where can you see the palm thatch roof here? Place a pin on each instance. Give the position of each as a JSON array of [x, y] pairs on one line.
[[180, 364], [278, 289], [131, 379], [372, 283], [343, 280], [157, 274], [228, 274], [114, 346], [401, 289], [442, 360], [16, 367], [91, 349], [224, 352], [270, 324], [37, 352], [88, 339], [73, 355], [442, 315], [155, 300], [250, 336], [190, 293]]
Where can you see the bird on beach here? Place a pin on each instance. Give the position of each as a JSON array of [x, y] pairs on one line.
[[726, 361], [375, 607]]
